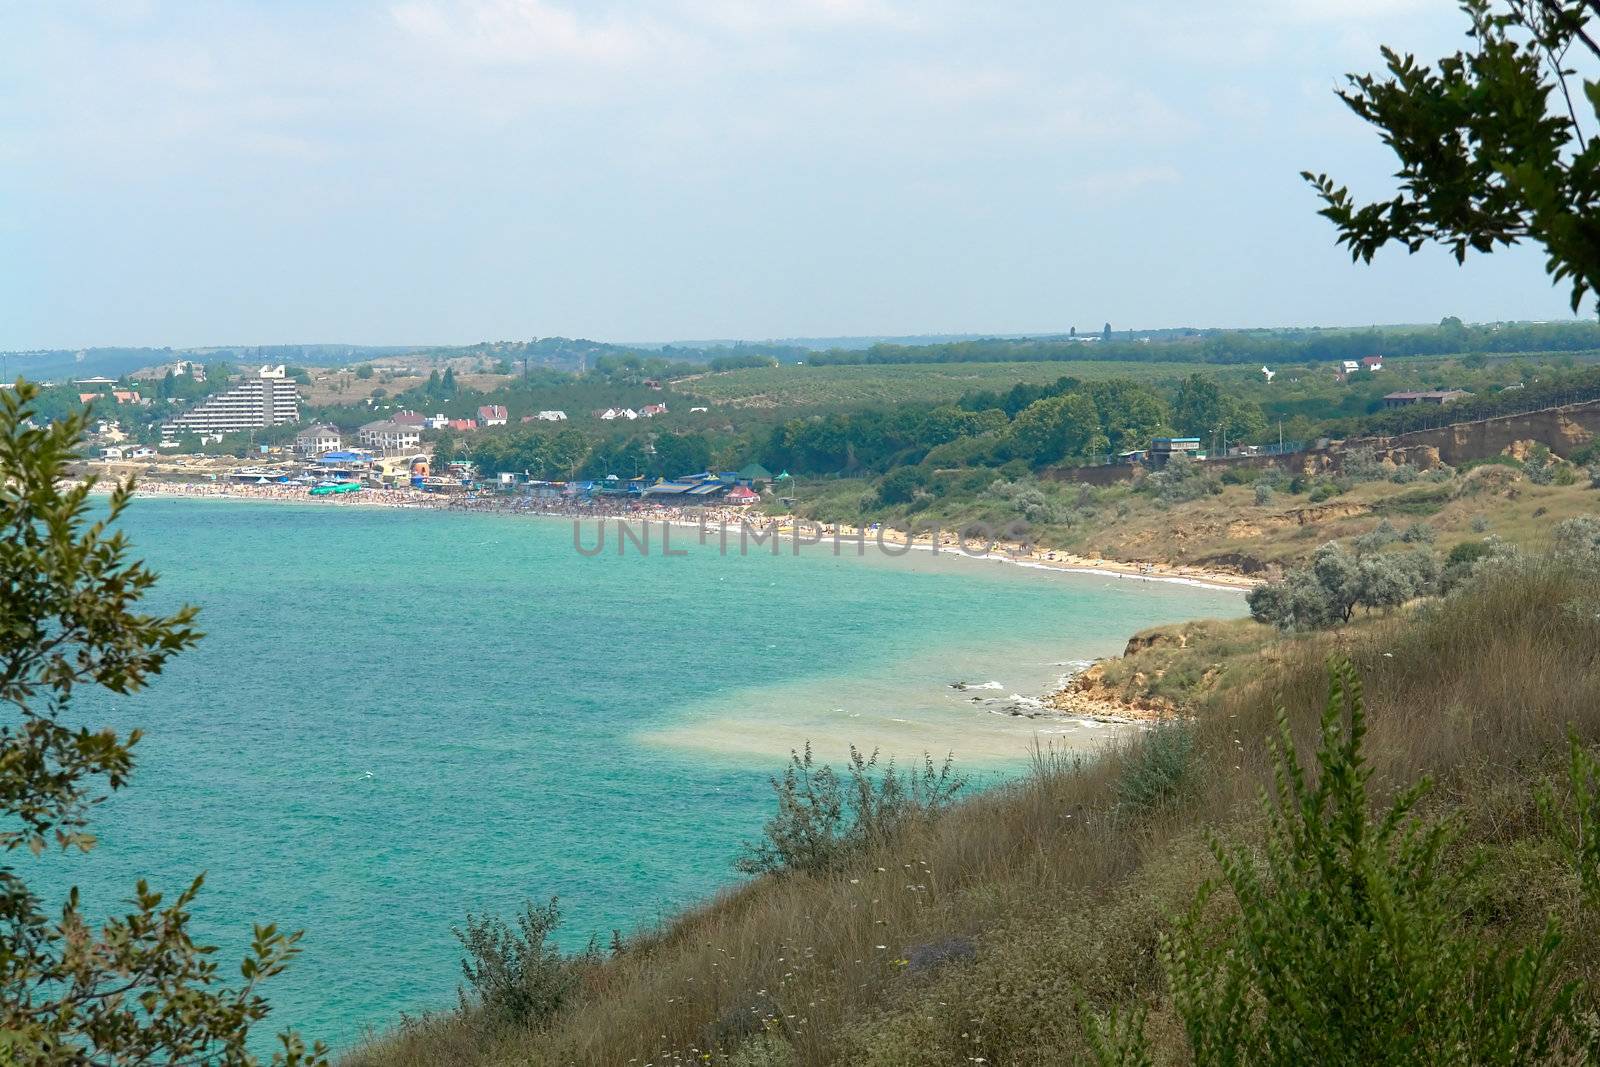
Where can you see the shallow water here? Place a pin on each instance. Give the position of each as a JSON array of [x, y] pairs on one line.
[[534, 722]]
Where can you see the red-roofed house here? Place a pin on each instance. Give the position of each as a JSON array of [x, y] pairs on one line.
[[409, 418], [463, 424], [492, 415], [1372, 363], [650, 411]]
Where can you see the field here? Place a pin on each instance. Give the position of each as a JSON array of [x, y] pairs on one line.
[[849, 386]]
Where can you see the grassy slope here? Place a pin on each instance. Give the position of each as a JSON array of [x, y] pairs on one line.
[[1063, 889], [1218, 531]]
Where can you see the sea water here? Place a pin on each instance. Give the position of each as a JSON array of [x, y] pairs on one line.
[[399, 717]]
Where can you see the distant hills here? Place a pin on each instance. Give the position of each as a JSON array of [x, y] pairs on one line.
[[569, 354]]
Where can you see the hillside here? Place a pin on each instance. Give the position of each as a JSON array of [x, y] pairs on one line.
[[983, 936]]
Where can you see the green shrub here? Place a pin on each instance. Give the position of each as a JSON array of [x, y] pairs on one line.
[[900, 485], [1347, 945], [822, 820], [1155, 771], [518, 975], [1382, 534], [1418, 533], [1263, 494]]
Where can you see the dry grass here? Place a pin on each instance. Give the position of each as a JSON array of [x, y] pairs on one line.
[[1062, 890]]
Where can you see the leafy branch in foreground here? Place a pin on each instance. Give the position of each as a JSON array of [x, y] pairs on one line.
[[138, 990], [823, 819], [1491, 143], [1348, 945]]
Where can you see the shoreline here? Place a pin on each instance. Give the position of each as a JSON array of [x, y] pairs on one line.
[[784, 526]]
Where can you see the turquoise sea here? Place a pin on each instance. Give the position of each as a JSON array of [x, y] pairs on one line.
[[397, 717]]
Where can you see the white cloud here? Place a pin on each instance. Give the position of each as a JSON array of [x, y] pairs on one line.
[[1123, 181], [524, 31]]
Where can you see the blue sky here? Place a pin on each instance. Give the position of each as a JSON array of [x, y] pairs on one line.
[[438, 171]]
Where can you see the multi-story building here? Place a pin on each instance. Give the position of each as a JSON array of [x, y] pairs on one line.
[[271, 398], [389, 436], [318, 439]]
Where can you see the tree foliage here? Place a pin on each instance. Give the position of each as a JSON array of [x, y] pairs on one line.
[[138, 989], [1490, 142]]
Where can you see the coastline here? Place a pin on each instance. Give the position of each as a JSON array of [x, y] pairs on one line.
[[784, 526]]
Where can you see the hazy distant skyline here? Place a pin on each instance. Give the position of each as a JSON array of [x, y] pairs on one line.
[[450, 171]]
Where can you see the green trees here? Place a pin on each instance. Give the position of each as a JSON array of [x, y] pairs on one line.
[[1337, 581], [1491, 148], [901, 485], [1201, 409], [1056, 427], [138, 989]]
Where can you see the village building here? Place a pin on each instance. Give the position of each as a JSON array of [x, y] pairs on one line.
[[462, 425], [315, 440], [1372, 363], [1427, 396], [650, 411], [409, 418], [492, 415], [388, 436], [1163, 449]]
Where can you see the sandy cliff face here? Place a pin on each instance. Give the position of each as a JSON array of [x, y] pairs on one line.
[[1560, 429]]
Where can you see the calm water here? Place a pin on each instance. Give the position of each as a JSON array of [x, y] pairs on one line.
[[534, 722]]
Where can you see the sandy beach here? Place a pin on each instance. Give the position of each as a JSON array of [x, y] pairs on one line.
[[712, 518]]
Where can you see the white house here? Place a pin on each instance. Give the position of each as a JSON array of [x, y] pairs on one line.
[[315, 440], [110, 453], [141, 452], [436, 422], [551, 416], [617, 413], [389, 435], [492, 415]]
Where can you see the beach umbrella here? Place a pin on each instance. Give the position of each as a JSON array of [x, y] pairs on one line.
[[785, 476]]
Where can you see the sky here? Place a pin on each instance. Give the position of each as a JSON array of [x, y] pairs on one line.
[[453, 171]]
